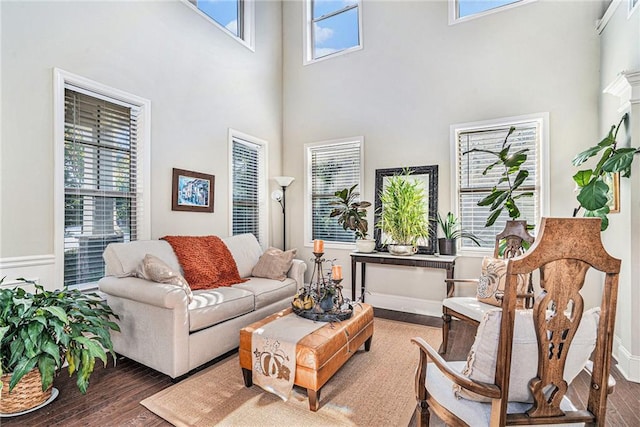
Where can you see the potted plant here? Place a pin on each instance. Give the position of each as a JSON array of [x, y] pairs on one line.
[[505, 196], [593, 193], [404, 218], [452, 230], [40, 331], [352, 215]]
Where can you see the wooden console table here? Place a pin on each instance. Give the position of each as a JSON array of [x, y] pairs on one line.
[[428, 261]]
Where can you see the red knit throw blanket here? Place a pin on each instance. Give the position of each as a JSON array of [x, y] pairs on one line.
[[206, 261]]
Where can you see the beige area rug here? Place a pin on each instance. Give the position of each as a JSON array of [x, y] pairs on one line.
[[374, 388]]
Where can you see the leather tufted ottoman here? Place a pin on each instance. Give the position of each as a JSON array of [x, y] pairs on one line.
[[320, 354]]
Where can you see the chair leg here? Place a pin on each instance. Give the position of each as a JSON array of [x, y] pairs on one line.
[[422, 414], [446, 324]]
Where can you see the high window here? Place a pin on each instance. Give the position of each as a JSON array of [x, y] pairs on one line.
[[333, 27], [236, 17], [330, 166], [248, 186], [472, 186], [462, 10], [102, 177]]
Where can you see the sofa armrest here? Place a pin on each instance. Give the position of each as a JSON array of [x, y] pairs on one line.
[[298, 267], [144, 291]]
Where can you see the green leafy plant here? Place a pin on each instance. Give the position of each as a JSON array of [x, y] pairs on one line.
[[593, 194], [404, 216], [46, 328], [351, 213], [452, 229], [501, 196]]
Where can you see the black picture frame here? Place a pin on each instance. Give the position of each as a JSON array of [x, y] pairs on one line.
[[428, 173]]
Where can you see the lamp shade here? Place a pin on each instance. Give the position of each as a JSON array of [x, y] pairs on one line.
[[284, 181]]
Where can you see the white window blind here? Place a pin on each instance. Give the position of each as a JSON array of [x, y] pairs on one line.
[[473, 186], [100, 176], [248, 173], [333, 167]]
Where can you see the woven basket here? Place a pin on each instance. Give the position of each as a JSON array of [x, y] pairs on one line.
[[25, 395]]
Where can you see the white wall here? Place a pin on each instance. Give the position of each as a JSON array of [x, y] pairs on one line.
[[620, 52], [416, 76], [199, 80]]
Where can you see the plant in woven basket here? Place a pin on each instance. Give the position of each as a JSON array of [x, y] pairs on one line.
[[46, 328]]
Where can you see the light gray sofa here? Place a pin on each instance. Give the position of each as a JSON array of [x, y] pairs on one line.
[[162, 330]]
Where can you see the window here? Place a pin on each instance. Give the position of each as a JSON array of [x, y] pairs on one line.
[[248, 186], [330, 166], [472, 186], [462, 10], [333, 27], [236, 17], [101, 150]]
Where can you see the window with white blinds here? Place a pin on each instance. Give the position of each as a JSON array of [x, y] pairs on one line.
[[101, 197], [473, 186], [331, 167], [247, 177]]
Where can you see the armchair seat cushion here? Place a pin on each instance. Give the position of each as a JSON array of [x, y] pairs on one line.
[[212, 306], [468, 306], [473, 413], [268, 291]]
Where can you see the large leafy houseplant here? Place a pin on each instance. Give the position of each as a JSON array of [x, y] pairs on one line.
[[404, 217], [504, 194], [593, 190], [350, 211], [46, 328]]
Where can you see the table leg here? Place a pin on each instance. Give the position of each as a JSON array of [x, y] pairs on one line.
[[314, 399], [248, 377], [367, 343], [362, 279], [353, 279]]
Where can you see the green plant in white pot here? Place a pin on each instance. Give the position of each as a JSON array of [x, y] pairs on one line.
[[452, 231], [352, 215], [404, 217], [40, 331]]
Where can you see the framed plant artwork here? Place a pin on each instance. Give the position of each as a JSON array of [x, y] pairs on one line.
[[613, 181], [192, 191]]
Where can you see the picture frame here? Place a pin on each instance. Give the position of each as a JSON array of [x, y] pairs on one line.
[[192, 191], [429, 176], [613, 181]]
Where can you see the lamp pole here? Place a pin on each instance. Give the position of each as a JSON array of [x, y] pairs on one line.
[[279, 196]]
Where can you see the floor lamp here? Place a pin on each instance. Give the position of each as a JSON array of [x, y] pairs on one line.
[[279, 196]]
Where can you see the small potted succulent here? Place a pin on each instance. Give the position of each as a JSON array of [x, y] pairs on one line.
[[452, 231], [352, 215], [41, 331]]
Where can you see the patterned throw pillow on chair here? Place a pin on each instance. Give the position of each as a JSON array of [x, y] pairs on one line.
[[492, 280]]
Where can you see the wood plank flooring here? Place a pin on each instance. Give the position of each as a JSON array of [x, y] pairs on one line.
[[115, 392]]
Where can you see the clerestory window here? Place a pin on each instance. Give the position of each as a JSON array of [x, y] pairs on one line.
[[235, 17]]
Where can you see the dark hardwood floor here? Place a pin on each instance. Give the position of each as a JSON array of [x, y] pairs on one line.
[[115, 391]]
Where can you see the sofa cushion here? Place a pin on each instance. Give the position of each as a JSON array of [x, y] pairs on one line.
[[245, 250], [212, 306], [268, 291], [154, 269], [122, 259], [274, 264]]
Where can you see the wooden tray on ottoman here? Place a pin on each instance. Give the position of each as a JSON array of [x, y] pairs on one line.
[[320, 354]]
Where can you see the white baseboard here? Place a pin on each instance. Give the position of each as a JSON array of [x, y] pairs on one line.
[[628, 364], [405, 304], [39, 268]]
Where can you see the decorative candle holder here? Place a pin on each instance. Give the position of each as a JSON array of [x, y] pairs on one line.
[[322, 298]]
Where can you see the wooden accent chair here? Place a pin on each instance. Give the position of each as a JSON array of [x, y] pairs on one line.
[[469, 309], [564, 250]]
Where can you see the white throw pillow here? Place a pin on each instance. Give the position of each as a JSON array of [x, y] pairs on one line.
[[154, 269], [481, 362]]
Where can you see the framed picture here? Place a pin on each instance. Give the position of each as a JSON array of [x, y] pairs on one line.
[[427, 176], [192, 191], [613, 181]]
